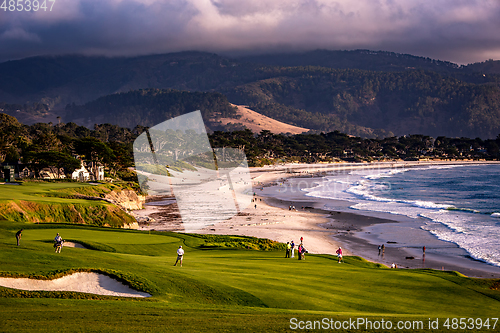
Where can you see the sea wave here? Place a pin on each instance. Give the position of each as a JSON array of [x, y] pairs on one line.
[[363, 190], [480, 240], [471, 227], [466, 210]]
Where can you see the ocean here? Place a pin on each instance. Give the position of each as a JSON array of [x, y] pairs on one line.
[[459, 204]]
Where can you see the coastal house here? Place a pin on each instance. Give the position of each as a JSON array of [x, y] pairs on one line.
[[21, 170], [25, 173], [348, 153], [7, 173], [52, 173], [81, 174], [96, 171]]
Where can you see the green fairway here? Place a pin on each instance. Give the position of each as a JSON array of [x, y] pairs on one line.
[[39, 191], [219, 288]]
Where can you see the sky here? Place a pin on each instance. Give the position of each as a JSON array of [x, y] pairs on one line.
[[460, 31]]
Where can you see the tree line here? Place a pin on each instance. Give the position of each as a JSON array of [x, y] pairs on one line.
[[43, 145]]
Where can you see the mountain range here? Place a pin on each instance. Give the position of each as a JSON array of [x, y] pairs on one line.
[[363, 93]]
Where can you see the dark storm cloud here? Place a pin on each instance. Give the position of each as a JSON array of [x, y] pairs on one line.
[[457, 30], [97, 27]]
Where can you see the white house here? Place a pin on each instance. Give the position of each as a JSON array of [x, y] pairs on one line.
[[81, 174]]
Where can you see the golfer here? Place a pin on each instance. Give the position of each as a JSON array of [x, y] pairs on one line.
[[18, 236], [180, 254], [339, 254], [58, 243]]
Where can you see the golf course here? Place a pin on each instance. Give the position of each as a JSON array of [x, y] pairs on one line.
[[226, 283]]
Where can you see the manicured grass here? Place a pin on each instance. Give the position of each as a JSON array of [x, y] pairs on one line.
[[39, 191], [59, 202], [219, 288], [56, 192]]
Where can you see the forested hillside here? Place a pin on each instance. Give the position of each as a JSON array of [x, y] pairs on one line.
[[363, 93], [382, 61], [358, 59], [149, 107], [62, 80], [372, 103]]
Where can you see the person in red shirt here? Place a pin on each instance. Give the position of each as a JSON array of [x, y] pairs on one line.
[[339, 254]]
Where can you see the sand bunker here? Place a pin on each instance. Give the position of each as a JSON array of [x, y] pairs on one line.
[[83, 282], [72, 244]]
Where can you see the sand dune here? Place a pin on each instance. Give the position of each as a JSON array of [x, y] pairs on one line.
[[257, 122]]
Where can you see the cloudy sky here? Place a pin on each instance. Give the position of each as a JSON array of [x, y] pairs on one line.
[[461, 31]]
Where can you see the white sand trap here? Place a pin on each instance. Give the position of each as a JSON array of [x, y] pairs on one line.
[[83, 282], [72, 244]]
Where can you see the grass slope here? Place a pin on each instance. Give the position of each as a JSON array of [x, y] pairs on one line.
[[58, 202], [221, 289]]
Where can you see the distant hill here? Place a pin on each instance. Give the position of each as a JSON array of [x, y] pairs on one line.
[[364, 93], [371, 60], [149, 107], [359, 59], [60, 80], [368, 103], [486, 67], [381, 61]]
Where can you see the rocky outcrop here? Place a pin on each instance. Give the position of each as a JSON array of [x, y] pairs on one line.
[[126, 199]]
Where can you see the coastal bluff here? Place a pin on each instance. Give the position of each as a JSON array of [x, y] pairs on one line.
[[98, 205]]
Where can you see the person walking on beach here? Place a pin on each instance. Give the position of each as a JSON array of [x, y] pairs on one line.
[[180, 254], [58, 243], [18, 236], [292, 249], [288, 247], [339, 254], [383, 249], [379, 249], [423, 249]]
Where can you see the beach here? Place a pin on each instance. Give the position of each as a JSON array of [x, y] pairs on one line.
[[326, 224]]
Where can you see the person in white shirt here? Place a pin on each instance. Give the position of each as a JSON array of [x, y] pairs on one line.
[[58, 241], [180, 254]]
